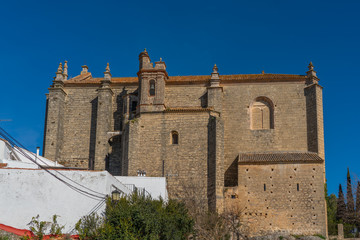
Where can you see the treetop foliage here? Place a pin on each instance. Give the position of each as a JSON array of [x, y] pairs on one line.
[[139, 217]]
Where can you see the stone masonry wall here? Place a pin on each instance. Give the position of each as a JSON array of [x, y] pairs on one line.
[[185, 96], [205, 160], [80, 119], [282, 197], [54, 126], [184, 164], [289, 133]]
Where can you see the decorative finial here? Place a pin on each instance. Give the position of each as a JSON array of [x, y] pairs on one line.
[[312, 78], [311, 66], [60, 68], [160, 59], [65, 70], [144, 49], [215, 69], [262, 72], [215, 78], [84, 69], [107, 75], [59, 74]]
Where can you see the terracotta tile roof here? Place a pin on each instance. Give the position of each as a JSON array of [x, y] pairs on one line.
[[188, 109], [274, 157], [237, 77], [87, 78], [81, 78], [2, 165]]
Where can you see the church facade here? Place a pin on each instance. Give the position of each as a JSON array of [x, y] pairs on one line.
[[255, 140]]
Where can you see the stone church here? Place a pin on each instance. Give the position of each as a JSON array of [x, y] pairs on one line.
[[256, 140]]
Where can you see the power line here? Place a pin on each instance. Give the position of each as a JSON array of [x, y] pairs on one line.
[[93, 210], [15, 143]]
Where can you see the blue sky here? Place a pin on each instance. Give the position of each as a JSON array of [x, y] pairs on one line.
[[239, 36]]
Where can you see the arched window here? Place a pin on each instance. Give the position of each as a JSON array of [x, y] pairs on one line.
[[262, 114], [152, 88], [174, 137]]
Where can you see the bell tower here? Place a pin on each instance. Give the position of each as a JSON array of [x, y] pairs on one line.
[[151, 84]]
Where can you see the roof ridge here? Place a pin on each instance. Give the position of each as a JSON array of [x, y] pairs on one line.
[[87, 78]]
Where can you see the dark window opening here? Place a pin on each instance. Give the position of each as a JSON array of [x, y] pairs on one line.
[[152, 88], [174, 137], [264, 187], [297, 187], [233, 196], [133, 106]]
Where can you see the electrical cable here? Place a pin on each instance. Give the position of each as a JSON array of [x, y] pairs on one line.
[[14, 142], [94, 209]]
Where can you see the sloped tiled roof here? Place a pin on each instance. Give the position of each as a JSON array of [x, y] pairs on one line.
[[275, 157], [264, 77], [189, 109]]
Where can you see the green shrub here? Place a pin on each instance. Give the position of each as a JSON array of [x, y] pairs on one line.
[[88, 226], [138, 217]]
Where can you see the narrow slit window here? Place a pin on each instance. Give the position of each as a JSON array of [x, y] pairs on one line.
[[152, 88], [297, 187], [133, 106], [264, 187], [174, 138]]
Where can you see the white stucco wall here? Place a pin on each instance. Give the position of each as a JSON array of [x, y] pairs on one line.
[[4, 151], [16, 157], [25, 193], [156, 186]]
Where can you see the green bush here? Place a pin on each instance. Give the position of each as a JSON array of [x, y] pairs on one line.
[[88, 226], [139, 217]]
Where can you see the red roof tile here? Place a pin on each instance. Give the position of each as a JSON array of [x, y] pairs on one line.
[[275, 157], [87, 78]]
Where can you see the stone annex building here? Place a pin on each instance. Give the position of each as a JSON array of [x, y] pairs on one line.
[[256, 140]]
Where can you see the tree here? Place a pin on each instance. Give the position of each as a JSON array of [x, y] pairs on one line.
[[209, 224], [341, 206], [88, 226], [350, 216], [139, 217], [357, 213], [331, 202]]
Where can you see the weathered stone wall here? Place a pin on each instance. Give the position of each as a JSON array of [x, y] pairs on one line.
[[184, 164], [80, 119], [103, 127], [54, 126], [206, 158], [281, 197], [185, 95], [289, 133]]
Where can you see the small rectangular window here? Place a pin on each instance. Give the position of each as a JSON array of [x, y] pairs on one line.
[[264, 187], [174, 137], [297, 187], [133, 106]]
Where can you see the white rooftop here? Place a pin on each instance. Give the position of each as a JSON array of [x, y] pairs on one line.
[[16, 157]]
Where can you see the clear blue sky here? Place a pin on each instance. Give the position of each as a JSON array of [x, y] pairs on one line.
[[239, 36]]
